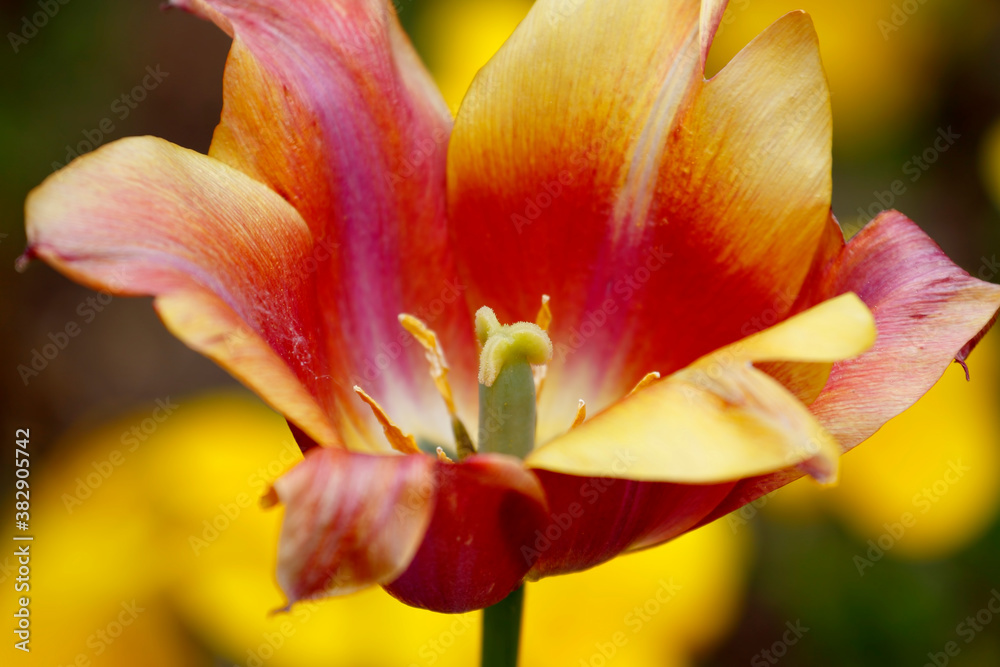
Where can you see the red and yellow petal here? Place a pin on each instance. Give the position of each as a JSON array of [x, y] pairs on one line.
[[351, 520], [711, 17], [741, 196], [327, 103], [637, 194], [666, 457], [593, 519], [449, 537], [541, 147], [927, 311], [477, 548], [224, 255], [720, 419]]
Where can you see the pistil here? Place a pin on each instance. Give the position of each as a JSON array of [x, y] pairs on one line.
[[507, 415]]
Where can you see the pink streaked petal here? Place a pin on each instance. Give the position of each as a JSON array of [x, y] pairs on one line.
[[487, 511], [327, 103], [208, 325], [351, 520], [928, 312], [224, 255], [593, 519], [926, 309]]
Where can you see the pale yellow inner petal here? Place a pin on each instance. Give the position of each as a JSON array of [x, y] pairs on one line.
[[721, 419]]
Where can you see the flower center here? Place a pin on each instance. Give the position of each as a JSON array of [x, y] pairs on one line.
[[507, 415], [511, 372]]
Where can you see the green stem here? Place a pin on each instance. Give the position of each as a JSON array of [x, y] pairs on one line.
[[507, 426], [502, 631]]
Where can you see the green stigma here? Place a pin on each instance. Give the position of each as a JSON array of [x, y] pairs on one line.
[[507, 384]]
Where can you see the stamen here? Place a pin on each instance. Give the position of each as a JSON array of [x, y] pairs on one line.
[[439, 373], [649, 379], [401, 442], [581, 414], [442, 456], [544, 317], [544, 321], [435, 356], [507, 414]]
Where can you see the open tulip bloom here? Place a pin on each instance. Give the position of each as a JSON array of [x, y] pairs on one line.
[[675, 324]]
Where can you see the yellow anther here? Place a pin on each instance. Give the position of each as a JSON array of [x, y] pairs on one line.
[[401, 442], [581, 414], [649, 379], [435, 356], [503, 343], [442, 456], [544, 317], [544, 321]]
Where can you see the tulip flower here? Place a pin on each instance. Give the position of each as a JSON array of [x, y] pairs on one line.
[[635, 271], [198, 564]]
